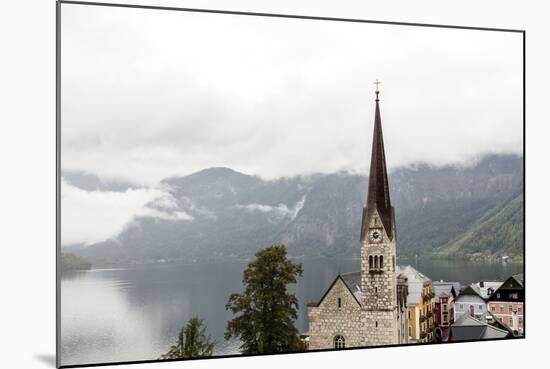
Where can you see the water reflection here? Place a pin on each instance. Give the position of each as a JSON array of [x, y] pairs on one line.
[[135, 313]]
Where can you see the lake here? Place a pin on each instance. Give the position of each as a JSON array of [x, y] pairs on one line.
[[135, 313]]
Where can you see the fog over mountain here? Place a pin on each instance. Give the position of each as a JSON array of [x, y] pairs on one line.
[[448, 211]]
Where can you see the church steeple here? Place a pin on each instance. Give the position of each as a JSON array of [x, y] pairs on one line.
[[378, 197]]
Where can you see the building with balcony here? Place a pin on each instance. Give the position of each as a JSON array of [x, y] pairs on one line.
[[421, 305]]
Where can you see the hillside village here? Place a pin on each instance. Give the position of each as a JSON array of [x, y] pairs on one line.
[[385, 304], [446, 311]]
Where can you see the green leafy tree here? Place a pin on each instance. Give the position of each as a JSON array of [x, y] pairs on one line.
[[192, 342], [266, 309]]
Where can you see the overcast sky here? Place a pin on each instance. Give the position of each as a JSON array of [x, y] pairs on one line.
[[148, 94]]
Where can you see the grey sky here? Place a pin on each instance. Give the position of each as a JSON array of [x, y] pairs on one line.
[[150, 94]]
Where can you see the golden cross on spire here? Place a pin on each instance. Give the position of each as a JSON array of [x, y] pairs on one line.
[[377, 91], [377, 83]]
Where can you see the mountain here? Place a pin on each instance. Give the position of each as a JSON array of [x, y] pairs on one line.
[[435, 206], [498, 232], [450, 211]]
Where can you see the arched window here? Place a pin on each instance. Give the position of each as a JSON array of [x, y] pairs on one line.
[[381, 261], [376, 262], [370, 262], [339, 342], [339, 302]]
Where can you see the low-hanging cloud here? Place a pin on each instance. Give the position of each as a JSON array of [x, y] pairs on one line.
[[89, 217], [279, 211]]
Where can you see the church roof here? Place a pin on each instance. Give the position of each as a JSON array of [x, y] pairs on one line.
[[351, 280], [378, 197]]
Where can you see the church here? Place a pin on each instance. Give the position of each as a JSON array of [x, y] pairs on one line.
[[368, 307]]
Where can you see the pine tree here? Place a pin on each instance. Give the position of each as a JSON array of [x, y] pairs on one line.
[[192, 342], [267, 310]]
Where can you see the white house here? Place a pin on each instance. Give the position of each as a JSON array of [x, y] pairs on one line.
[[470, 301]]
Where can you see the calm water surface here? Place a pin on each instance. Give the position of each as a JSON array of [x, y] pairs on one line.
[[135, 313]]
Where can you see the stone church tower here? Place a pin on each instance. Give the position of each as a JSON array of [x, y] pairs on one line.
[[378, 250], [367, 307]]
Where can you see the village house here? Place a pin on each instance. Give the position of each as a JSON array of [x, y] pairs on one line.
[[506, 304], [387, 304], [445, 295], [486, 288], [469, 301], [421, 303]]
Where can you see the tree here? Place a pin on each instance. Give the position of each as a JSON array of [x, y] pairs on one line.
[[267, 310], [192, 342]]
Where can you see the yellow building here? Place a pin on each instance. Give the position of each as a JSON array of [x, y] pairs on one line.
[[421, 305], [427, 312]]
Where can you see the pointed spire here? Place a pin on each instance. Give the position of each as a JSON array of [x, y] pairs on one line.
[[378, 197]]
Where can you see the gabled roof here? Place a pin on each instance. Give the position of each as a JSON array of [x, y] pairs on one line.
[[494, 332], [378, 197], [486, 288], [512, 284], [519, 279], [471, 290], [353, 281], [415, 282], [498, 324], [350, 280], [443, 290], [467, 328], [468, 320]]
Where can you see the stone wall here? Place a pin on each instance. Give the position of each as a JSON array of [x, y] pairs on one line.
[[379, 289], [327, 320], [381, 318]]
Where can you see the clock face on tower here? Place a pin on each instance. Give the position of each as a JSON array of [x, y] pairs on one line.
[[375, 235]]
